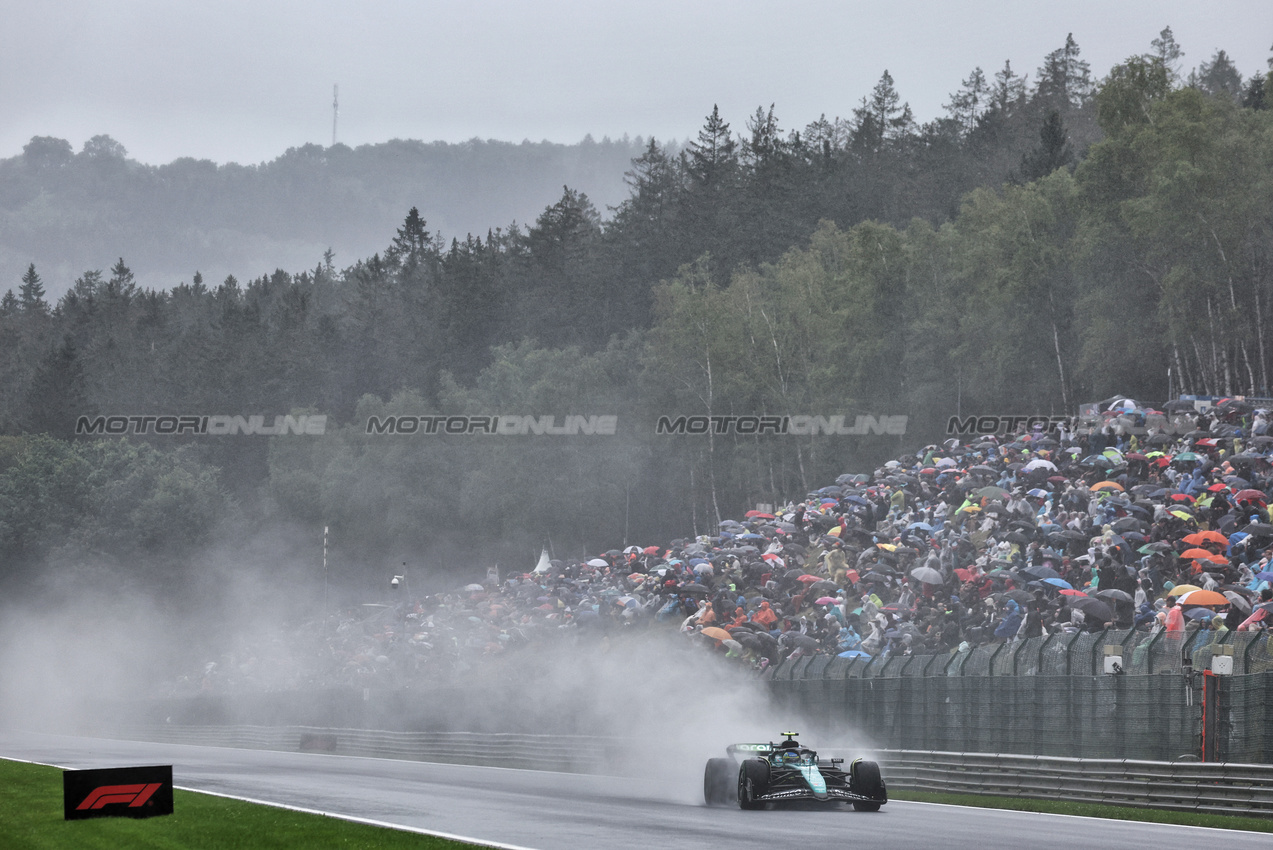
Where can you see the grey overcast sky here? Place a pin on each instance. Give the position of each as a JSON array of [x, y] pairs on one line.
[[242, 81]]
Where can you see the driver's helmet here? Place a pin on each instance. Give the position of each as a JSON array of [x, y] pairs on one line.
[[791, 757]]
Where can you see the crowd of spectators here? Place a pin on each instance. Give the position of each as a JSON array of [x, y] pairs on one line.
[[1081, 528]]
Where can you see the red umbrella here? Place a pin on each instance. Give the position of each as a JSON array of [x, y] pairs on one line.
[[1182, 497], [758, 514], [1068, 591], [807, 579], [1250, 496], [1216, 488], [651, 550]]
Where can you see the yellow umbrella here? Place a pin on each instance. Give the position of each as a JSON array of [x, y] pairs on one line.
[[887, 547], [1181, 589], [715, 632], [1108, 485]]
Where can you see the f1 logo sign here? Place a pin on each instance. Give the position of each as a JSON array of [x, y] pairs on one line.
[[135, 792], [133, 795]]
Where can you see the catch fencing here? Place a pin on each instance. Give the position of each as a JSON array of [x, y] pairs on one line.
[[1051, 697]]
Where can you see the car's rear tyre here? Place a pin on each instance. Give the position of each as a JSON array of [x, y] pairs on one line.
[[753, 782], [865, 779], [718, 781]]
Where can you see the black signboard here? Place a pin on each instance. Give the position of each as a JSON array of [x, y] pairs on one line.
[[129, 792]]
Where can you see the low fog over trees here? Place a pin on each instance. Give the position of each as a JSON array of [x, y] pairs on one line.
[[1052, 239]]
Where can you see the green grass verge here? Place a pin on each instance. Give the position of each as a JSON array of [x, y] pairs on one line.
[[1091, 810], [31, 817]]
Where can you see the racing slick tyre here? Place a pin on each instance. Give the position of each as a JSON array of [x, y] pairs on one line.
[[865, 780], [718, 781], [753, 782]]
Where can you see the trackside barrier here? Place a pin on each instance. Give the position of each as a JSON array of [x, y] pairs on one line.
[[571, 754], [1219, 788], [1216, 788]]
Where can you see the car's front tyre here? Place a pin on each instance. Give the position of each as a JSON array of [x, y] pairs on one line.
[[865, 779], [753, 782]]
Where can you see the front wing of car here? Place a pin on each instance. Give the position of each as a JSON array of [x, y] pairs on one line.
[[790, 784]]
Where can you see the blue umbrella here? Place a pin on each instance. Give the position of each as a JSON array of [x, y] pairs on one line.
[[854, 653], [1059, 582], [920, 525]]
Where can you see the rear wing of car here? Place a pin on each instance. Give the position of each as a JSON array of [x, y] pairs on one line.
[[745, 750]]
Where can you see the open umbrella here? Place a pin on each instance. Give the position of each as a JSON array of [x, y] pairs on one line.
[[1092, 607], [1182, 589], [715, 632], [1114, 593], [1204, 555], [1209, 598], [928, 575], [1201, 538], [1238, 601], [1107, 485], [825, 600]]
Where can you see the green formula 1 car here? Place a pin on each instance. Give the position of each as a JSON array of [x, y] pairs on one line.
[[756, 774]]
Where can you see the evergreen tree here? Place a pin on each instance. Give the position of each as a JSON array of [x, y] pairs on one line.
[[883, 116], [967, 105], [32, 292], [58, 393], [1218, 78], [412, 244], [122, 285], [1008, 94], [1052, 152], [1167, 53], [713, 157], [1256, 96], [1064, 81]]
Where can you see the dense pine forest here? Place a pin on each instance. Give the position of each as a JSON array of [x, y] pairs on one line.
[[1052, 239]]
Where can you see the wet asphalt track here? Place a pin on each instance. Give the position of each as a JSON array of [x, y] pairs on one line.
[[547, 811]]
